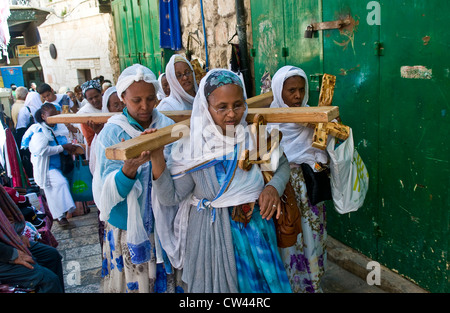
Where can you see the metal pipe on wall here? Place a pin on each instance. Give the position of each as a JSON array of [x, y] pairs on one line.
[[241, 29]]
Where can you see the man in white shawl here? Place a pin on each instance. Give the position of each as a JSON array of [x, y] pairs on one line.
[[183, 86], [122, 189], [304, 261]]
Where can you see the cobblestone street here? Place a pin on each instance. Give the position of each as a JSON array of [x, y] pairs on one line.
[[79, 245]]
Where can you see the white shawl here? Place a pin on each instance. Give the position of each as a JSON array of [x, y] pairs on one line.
[[204, 143], [37, 139], [297, 139], [178, 98]]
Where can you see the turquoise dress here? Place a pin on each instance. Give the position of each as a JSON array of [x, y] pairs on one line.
[[259, 265]]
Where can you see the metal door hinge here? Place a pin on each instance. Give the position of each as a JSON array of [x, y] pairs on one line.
[[284, 52], [379, 48]]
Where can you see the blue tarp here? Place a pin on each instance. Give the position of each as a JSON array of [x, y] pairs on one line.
[[169, 25]]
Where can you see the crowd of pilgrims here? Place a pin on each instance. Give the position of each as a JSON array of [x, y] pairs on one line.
[[166, 217]]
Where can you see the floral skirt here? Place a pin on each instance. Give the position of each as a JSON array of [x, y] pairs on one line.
[[120, 275], [305, 261]]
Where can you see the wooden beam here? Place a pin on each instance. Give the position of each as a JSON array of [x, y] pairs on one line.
[[81, 118], [295, 115], [261, 101], [282, 115], [133, 147]]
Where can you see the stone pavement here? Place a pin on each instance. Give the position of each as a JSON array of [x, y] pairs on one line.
[[79, 245]]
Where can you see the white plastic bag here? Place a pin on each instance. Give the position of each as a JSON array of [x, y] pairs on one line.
[[349, 176]]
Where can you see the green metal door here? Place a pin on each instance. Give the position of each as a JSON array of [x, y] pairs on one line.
[[278, 28], [414, 165], [392, 88], [349, 54], [268, 38], [137, 31]]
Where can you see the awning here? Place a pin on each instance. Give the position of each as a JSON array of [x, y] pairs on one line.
[[24, 21]]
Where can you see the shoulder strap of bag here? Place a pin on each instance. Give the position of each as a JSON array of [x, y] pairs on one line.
[[31, 115], [54, 137]]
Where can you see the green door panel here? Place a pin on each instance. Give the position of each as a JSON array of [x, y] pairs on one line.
[[268, 38], [137, 30], [349, 55], [305, 53], [393, 89], [414, 149]]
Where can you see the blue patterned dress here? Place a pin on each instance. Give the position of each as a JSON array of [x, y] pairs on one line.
[[258, 262]]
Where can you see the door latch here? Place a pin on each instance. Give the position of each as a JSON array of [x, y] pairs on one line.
[[326, 25]]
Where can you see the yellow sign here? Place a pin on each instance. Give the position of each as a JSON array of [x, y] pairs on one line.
[[24, 51]]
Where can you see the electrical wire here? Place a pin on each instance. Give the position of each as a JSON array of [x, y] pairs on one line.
[[204, 34]]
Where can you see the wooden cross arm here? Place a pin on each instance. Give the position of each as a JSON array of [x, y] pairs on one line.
[[276, 115], [80, 118], [133, 147], [282, 115], [261, 101]]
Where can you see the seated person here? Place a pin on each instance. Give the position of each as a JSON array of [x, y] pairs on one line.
[[32, 265]]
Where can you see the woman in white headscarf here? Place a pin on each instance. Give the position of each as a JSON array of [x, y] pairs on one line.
[[122, 192], [46, 141], [110, 103], [25, 119], [183, 86], [164, 90], [304, 262], [214, 219]]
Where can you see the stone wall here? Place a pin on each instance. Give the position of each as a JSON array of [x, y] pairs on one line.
[[220, 24], [84, 39]]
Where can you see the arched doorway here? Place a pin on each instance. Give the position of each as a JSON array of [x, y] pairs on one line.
[[32, 72]]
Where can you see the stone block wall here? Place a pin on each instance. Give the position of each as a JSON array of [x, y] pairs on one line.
[[220, 24]]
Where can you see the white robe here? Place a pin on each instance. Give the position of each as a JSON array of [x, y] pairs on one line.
[[54, 184]]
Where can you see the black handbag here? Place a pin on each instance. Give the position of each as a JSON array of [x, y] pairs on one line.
[[318, 184], [67, 162]]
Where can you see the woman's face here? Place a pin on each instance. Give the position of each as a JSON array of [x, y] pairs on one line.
[[114, 103], [293, 91], [49, 112], [227, 106], [140, 99], [94, 97], [165, 85], [183, 73]]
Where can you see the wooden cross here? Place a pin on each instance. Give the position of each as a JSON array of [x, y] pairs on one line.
[[322, 130], [133, 147], [319, 118]]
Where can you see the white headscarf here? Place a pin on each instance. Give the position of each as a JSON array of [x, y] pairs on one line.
[[297, 139], [105, 98], [178, 98], [161, 93], [135, 73], [33, 101], [206, 140]]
